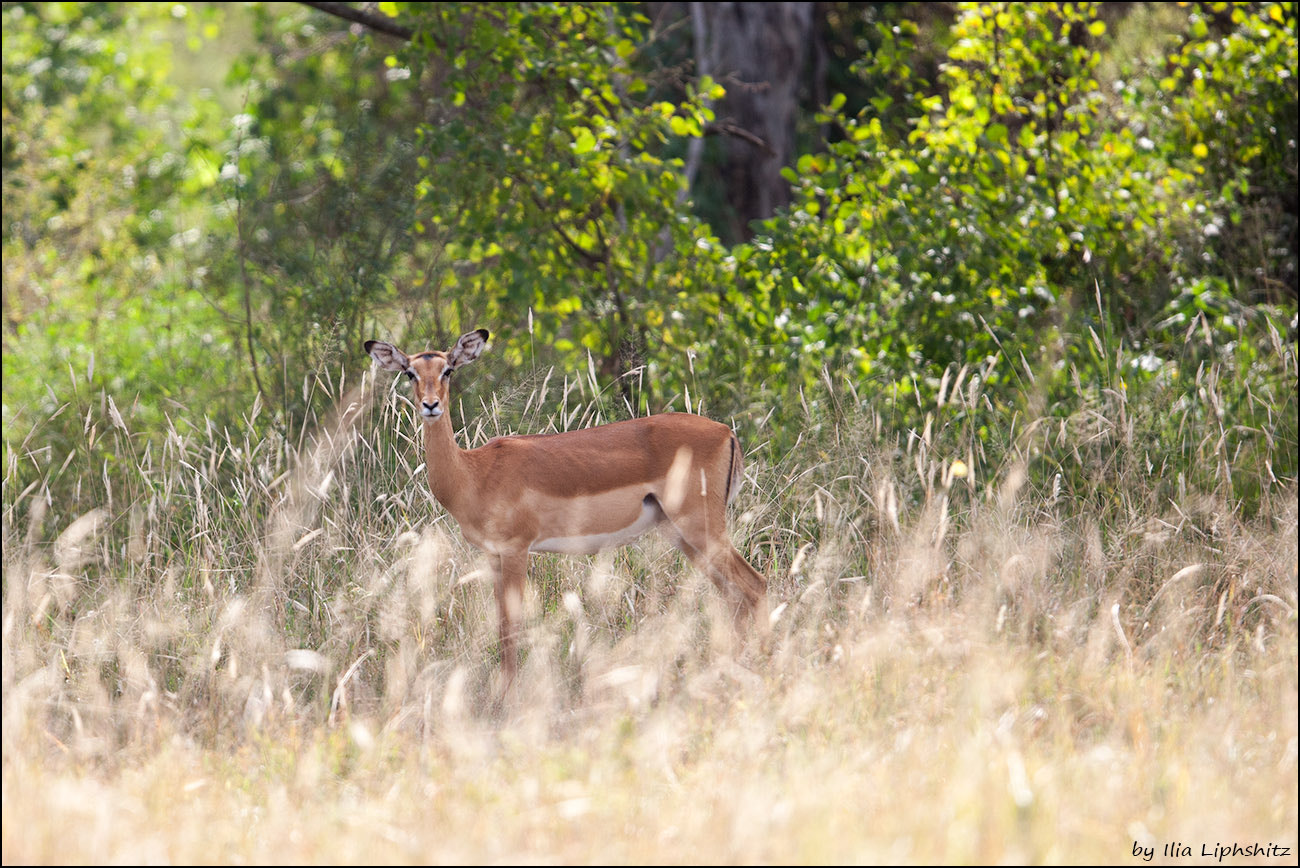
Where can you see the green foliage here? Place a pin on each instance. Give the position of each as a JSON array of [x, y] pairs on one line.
[[543, 174], [1225, 109], [1024, 228], [507, 167], [318, 193], [1009, 205], [105, 169], [966, 233]]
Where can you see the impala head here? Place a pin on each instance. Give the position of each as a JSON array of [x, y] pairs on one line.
[[429, 373]]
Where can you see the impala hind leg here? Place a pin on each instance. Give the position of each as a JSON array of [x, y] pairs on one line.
[[745, 581], [511, 572], [715, 556]]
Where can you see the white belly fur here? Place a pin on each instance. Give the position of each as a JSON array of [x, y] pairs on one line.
[[589, 544]]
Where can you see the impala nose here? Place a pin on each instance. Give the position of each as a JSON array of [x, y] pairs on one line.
[[432, 410]]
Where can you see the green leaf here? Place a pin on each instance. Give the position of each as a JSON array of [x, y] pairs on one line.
[[684, 126], [583, 141]]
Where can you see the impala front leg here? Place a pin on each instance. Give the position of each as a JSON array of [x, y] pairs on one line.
[[511, 571]]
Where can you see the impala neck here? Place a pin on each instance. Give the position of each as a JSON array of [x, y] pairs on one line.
[[445, 463]]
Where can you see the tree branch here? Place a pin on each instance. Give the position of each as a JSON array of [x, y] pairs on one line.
[[377, 23], [593, 259], [727, 128]]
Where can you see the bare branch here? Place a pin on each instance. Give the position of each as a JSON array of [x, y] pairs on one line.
[[730, 129], [377, 23]]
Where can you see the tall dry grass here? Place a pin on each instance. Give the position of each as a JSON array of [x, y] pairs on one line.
[[241, 648]]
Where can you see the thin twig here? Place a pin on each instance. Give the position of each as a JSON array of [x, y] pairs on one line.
[[243, 263]]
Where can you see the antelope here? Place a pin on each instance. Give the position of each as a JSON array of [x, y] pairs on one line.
[[578, 492]]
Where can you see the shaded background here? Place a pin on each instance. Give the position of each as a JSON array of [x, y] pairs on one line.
[[205, 203]]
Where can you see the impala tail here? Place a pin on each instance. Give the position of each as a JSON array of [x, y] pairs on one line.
[[737, 475]]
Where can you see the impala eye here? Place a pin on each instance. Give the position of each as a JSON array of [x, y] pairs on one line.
[[409, 373], [446, 373]]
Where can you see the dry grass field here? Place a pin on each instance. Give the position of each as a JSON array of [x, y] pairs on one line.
[[256, 651]]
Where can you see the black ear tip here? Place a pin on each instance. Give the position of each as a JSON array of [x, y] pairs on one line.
[[483, 333], [370, 344]]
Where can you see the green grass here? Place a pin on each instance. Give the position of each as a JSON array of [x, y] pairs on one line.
[[227, 648]]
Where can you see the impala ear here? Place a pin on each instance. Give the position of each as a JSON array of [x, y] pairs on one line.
[[390, 358], [468, 348]]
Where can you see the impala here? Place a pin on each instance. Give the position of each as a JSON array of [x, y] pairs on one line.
[[579, 491]]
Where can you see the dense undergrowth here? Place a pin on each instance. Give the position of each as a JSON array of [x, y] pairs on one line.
[[960, 643]]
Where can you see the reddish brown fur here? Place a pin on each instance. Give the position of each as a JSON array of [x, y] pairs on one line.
[[584, 490]]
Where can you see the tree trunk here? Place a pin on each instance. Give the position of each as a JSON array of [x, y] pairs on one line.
[[758, 52]]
